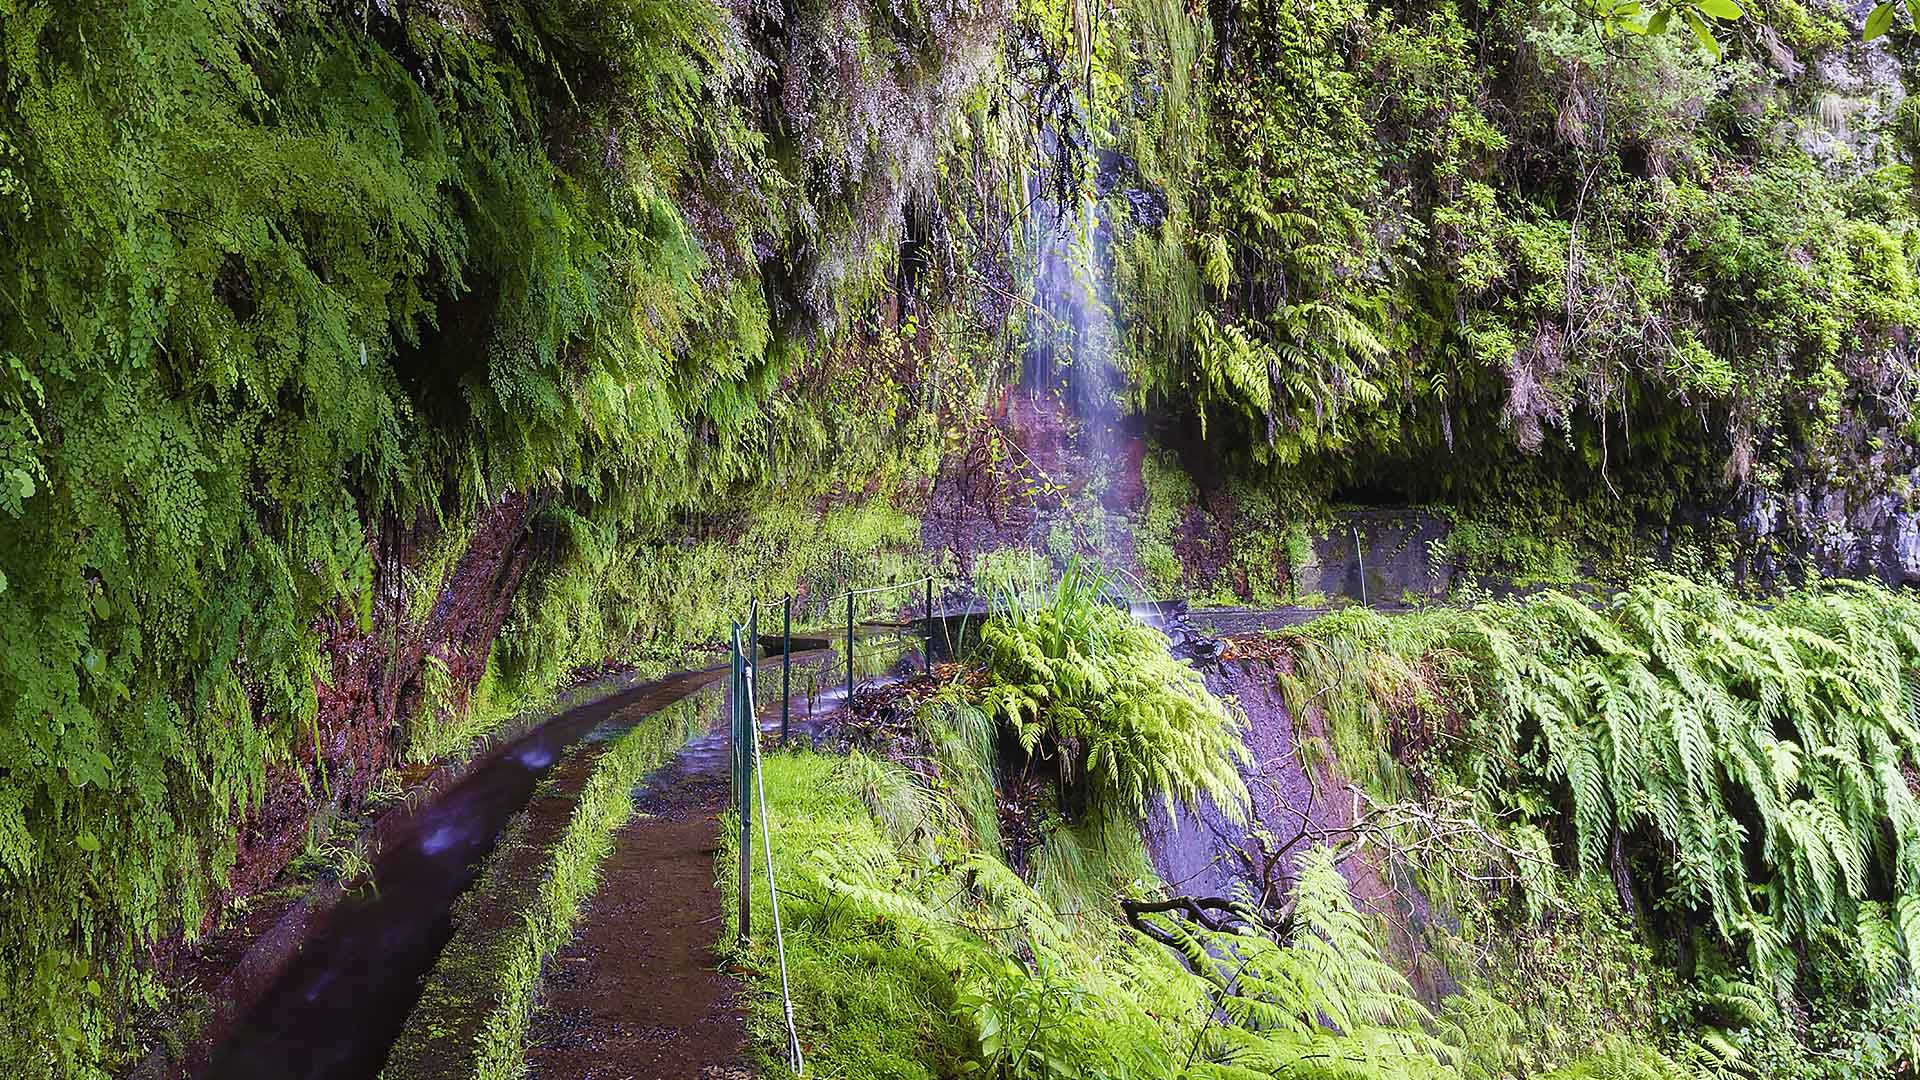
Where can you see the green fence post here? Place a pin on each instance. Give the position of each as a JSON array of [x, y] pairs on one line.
[[730, 698], [743, 800], [849, 703], [786, 667]]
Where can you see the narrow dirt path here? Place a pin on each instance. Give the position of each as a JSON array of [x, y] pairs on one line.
[[638, 994]]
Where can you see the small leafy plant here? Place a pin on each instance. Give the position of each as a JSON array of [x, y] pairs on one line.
[[1075, 676]]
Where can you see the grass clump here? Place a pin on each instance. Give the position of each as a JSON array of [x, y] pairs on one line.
[[869, 1004]]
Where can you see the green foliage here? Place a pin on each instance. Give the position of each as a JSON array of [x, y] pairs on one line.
[[1077, 673], [1547, 976], [281, 279], [1623, 1061], [1521, 554], [1321, 1004], [868, 1003], [1724, 768], [1481, 233], [1657, 714], [923, 955]]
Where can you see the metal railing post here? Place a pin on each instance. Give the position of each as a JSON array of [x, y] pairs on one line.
[[849, 649], [743, 776], [927, 666], [786, 667], [1360, 557]]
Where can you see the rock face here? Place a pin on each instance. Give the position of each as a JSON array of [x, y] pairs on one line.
[[1835, 533], [375, 685], [1198, 851], [1846, 504]]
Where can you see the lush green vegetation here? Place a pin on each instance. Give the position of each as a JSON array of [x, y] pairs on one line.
[[1078, 679], [306, 305], [1399, 235], [1733, 776], [917, 950], [283, 283]]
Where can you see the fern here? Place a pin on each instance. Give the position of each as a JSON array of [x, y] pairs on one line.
[[1725, 735], [1073, 672]]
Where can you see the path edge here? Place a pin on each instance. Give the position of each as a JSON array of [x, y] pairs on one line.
[[472, 1016]]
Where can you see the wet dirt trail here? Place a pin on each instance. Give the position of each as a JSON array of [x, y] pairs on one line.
[[638, 994], [334, 1011]]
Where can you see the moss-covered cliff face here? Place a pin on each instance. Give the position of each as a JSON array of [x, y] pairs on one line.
[[364, 359], [1502, 259], [364, 367]]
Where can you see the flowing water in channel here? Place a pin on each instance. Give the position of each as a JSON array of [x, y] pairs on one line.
[[338, 1005], [335, 1009]]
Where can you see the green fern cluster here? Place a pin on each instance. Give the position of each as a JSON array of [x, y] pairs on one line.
[[1073, 671], [1732, 736], [1322, 1003], [1734, 774]]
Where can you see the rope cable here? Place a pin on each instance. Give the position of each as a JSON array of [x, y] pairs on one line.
[[773, 893]]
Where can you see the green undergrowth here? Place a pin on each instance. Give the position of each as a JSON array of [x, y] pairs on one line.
[[283, 281], [471, 1019], [1716, 787], [1170, 496], [915, 951], [919, 944]]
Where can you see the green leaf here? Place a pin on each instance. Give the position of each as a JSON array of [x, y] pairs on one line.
[[1724, 10], [1658, 24], [1705, 35], [1913, 12], [1878, 21], [87, 841]]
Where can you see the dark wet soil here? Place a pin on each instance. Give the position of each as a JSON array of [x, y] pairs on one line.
[[638, 993]]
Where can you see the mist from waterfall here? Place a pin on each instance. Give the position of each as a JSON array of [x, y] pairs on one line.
[[1071, 338]]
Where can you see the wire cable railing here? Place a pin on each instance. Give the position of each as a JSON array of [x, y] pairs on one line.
[[749, 780]]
